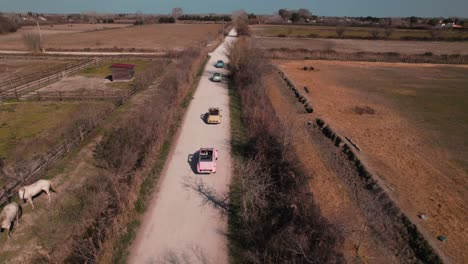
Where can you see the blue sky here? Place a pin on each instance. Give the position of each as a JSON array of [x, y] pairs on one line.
[[394, 8]]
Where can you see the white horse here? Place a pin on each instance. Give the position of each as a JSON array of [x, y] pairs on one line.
[[8, 215], [28, 192]]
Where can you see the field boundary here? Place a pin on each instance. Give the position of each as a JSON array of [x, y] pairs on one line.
[[14, 88], [392, 57]]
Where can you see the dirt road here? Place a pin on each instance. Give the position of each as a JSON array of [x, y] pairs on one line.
[[177, 225]]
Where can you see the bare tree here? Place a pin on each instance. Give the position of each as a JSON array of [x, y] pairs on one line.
[[388, 31], [284, 14], [340, 30], [241, 21], [32, 41], [304, 13], [435, 32], [177, 12], [374, 32]]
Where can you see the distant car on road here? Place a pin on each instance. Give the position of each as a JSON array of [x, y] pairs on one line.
[[216, 77], [207, 160], [214, 116], [219, 64]]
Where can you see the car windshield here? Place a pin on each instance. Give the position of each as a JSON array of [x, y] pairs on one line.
[[217, 74], [206, 155], [214, 112]]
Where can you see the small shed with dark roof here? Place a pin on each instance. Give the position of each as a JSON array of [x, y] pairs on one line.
[[123, 72]]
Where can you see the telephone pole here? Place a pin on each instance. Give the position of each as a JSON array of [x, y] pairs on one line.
[[40, 36]]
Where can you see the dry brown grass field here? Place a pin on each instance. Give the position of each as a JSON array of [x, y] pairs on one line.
[[30, 129], [415, 141], [148, 37], [14, 41], [358, 45], [15, 68]]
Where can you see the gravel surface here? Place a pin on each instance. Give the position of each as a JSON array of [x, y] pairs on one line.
[[177, 225]]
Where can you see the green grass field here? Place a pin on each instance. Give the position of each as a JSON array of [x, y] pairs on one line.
[[103, 70], [304, 31], [31, 128]]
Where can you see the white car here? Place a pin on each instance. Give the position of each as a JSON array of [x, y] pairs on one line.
[[216, 77]]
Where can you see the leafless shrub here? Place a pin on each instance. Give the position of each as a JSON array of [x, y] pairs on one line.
[[241, 22], [374, 32], [364, 110], [177, 12], [33, 42], [389, 30], [435, 32], [340, 30]]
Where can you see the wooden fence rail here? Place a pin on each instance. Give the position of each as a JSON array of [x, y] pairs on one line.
[[15, 92], [39, 167]]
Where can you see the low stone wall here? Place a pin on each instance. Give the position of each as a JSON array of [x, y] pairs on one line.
[[307, 105]]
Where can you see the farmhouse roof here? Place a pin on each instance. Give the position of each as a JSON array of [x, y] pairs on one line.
[[123, 66]]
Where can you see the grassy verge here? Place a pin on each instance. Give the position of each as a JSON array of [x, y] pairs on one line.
[[151, 179], [238, 139]]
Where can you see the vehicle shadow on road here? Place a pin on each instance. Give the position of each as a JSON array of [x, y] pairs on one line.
[[192, 160], [204, 117]]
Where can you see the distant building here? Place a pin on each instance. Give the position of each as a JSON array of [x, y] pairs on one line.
[[123, 72]]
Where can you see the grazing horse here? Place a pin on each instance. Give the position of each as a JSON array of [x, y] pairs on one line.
[[8, 215], [28, 192]]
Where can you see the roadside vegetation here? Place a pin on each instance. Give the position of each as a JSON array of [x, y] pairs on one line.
[[272, 214], [123, 154]]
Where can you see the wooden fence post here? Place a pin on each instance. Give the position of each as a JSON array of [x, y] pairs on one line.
[[16, 94], [38, 96], [81, 132]]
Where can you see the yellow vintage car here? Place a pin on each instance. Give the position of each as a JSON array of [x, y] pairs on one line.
[[214, 116]]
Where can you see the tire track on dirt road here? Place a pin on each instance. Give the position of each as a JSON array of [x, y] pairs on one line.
[[177, 225]]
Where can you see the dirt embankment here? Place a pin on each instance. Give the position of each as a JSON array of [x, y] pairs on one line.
[[326, 171], [417, 163]]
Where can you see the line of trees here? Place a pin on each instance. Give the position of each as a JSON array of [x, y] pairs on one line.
[[167, 20], [205, 18]]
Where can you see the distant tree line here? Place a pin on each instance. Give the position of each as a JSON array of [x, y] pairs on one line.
[[166, 20], [34, 14], [205, 18], [295, 16], [107, 20]]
